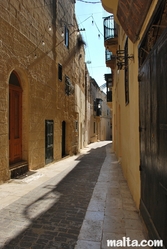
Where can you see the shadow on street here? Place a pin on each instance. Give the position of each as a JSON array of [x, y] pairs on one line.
[[51, 216]]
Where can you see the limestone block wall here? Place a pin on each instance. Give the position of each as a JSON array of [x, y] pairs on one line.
[[31, 45], [3, 122]]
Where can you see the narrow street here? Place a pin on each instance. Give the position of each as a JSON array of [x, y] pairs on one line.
[[78, 202]]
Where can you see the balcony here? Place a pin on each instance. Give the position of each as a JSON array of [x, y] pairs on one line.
[[110, 59], [109, 80], [110, 34], [98, 107]]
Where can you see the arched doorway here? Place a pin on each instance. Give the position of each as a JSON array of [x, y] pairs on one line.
[[15, 119]]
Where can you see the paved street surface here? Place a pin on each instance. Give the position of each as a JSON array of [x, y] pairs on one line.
[[79, 202]]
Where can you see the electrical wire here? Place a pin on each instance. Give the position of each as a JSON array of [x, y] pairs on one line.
[[93, 22], [88, 2], [97, 26], [94, 13], [87, 47], [85, 20], [30, 24]]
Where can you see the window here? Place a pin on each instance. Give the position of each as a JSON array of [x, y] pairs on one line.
[[60, 72], [76, 125], [99, 107], [126, 74], [94, 127], [49, 131], [66, 37]]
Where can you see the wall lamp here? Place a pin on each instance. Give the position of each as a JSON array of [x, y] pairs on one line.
[[122, 59]]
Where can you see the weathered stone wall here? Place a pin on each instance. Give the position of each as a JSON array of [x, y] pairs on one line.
[[25, 26]]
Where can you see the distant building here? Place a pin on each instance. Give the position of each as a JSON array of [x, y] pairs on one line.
[[100, 114]]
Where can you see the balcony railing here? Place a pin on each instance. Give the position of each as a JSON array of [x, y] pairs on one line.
[[110, 28]]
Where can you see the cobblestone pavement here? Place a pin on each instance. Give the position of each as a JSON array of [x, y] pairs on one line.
[[50, 216]]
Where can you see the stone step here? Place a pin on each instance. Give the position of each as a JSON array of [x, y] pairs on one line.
[[18, 169]]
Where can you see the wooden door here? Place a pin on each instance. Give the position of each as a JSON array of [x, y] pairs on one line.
[[15, 123], [153, 140], [63, 138]]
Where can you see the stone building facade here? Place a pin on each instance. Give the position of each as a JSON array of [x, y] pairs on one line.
[[45, 89], [100, 114], [42, 73]]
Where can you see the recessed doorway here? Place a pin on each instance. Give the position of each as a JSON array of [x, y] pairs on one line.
[[15, 119]]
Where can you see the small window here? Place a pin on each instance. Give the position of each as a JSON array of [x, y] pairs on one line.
[[60, 72], [76, 125], [66, 41]]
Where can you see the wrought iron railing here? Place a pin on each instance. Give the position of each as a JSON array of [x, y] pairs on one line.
[[98, 106], [110, 28]]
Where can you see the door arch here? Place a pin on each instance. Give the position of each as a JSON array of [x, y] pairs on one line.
[[15, 119]]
